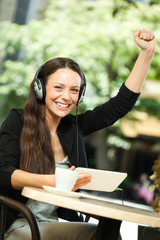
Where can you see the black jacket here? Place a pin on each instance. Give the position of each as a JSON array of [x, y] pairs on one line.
[[89, 122]]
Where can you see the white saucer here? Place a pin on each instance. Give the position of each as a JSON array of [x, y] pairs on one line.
[[72, 194], [61, 192]]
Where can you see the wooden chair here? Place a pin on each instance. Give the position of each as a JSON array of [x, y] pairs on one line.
[[6, 202]]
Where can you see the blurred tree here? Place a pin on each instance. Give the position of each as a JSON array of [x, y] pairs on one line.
[[97, 34]]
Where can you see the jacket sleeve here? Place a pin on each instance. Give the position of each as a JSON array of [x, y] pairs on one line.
[[108, 113], [10, 147]]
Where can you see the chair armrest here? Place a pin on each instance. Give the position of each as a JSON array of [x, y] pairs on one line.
[[20, 207]]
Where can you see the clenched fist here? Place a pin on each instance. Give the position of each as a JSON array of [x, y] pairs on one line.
[[145, 39]]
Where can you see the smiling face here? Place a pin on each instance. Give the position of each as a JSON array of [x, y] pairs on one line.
[[62, 92]]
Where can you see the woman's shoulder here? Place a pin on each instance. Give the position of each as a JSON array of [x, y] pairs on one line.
[[17, 111], [14, 119], [15, 114]]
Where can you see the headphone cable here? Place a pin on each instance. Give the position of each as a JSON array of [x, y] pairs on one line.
[[77, 143]]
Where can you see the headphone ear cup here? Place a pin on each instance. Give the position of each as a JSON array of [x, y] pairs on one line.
[[81, 94], [39, 89]]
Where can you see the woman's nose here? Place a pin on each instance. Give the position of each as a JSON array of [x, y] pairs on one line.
[[66, 95]]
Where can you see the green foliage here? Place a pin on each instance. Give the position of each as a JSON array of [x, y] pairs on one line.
[[98, 35], [151, 106]]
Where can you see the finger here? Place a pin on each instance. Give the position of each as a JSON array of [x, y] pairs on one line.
[[137, 35], [80, 184], [82, 180], [142, 33], [137, 32], [146, 35], [152, 36], [84, 176], [72, 168]]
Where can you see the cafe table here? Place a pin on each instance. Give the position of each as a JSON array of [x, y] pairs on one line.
[[95, 206]]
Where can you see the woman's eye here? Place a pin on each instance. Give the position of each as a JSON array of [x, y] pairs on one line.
[[75, 90], [58, 87]]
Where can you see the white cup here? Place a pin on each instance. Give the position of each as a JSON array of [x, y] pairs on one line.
[[65, 179]]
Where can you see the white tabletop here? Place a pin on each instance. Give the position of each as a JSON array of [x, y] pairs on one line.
[[95, 207]]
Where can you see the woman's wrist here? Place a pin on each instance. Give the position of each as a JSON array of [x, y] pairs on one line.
[[48, 180], [145, 58], [149, 52]]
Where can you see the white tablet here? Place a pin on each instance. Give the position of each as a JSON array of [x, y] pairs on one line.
[[102, 180]]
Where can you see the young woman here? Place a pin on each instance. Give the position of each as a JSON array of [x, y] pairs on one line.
[[43, 136]]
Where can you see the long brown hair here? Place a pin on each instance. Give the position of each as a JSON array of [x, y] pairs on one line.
[[36, 154]]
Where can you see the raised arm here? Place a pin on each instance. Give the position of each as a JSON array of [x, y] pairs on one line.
[[146, 41]]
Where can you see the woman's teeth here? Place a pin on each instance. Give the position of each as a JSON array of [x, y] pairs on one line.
[[63, 105]]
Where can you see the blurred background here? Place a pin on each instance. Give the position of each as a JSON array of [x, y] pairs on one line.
[[99, 36]]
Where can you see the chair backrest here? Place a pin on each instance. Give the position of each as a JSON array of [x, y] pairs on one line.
[[20, 207]]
